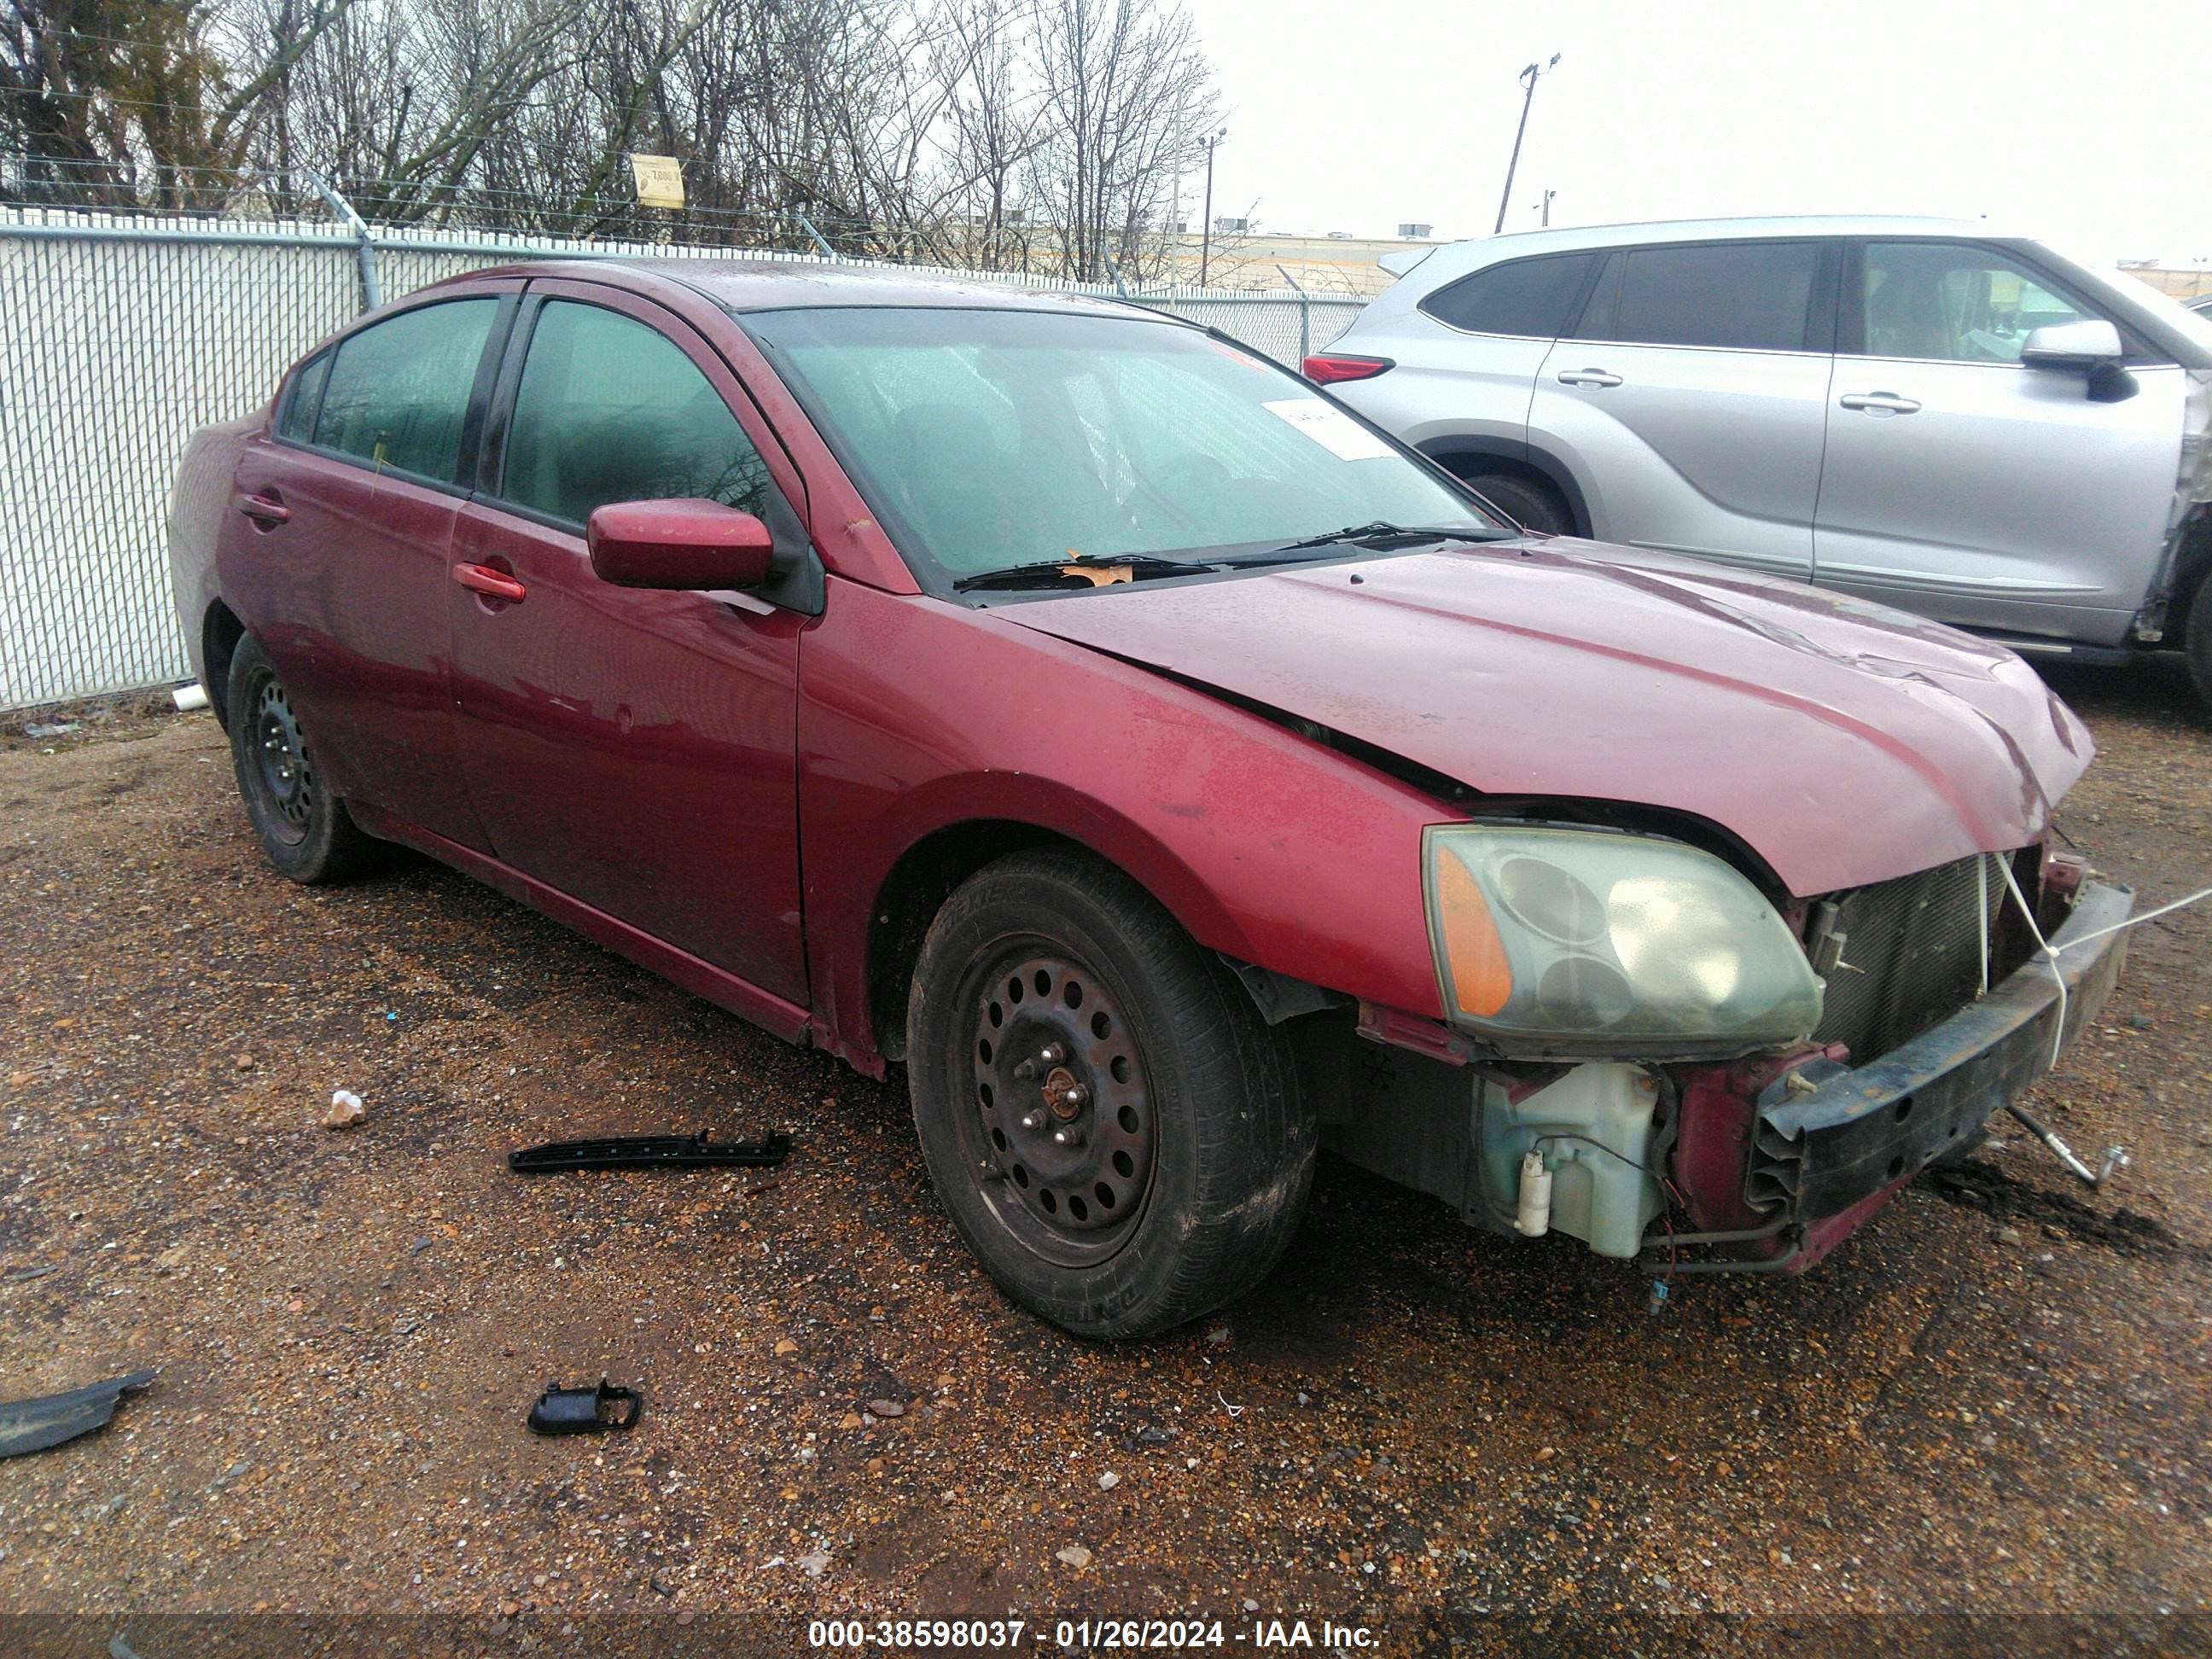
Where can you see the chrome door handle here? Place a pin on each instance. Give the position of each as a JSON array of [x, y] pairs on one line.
[[1879, 402], [1587, 377]]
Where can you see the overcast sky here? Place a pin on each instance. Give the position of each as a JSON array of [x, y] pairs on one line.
[[2089, 124]]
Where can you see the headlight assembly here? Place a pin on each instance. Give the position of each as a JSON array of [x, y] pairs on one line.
[[1581, 941]]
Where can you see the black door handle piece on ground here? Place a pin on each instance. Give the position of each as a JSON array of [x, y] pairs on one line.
[[649, 1152], [587, 1411]]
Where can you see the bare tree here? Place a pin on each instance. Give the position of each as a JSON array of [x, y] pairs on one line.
[[968, 132], [140, 103], [1125, 94]]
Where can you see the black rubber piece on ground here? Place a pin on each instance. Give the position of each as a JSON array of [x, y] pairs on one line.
[[650, 1152], [316, 840], [1233, 1140], [29, 1425]]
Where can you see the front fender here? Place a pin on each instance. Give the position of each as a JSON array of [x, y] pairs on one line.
[[916, 716]]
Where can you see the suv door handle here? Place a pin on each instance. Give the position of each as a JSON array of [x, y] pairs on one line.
[[1879, 402], [492, 583], [1587, 377], [267, 511]]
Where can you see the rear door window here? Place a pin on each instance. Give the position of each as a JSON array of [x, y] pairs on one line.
[[1744, 296], [610, 410], [398, 391], [1533, 298]]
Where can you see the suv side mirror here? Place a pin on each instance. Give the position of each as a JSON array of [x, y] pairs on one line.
[[2087, 344], [690, 545]]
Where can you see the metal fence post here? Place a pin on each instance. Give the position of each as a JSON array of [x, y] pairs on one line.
[[1305, 318], [828, 253], [371, 293]]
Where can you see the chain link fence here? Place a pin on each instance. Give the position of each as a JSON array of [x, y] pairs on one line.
[[124, 333]]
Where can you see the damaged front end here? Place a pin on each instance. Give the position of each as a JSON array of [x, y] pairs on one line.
[[1934, 1005]]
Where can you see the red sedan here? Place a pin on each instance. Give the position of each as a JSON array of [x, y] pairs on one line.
[[1175, 773]]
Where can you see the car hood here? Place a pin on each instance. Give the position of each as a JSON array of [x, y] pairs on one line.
[[1843, 742]]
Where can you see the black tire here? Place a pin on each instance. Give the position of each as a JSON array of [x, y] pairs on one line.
[[2196, 639], [1532, 505], [1192, 1145], [305, 830]]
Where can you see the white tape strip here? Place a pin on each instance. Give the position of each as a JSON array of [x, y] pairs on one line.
[[2050, 952]]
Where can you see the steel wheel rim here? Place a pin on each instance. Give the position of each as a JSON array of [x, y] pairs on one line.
[[1058, 1124], [282, 766]]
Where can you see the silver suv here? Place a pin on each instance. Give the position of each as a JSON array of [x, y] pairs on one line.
[[1914, 410]]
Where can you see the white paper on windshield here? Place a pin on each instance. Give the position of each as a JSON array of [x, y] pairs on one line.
[[1329, 427]]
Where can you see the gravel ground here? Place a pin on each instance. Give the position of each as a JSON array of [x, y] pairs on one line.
[[1993, 1403]]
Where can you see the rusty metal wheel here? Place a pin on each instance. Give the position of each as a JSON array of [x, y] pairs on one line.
[[1116, 1133], [1062, 1120], [304, 828]]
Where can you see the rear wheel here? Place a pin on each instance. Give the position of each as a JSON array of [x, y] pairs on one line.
[[2197, 640], [1116, 1132], [304, 828], [1532, 505]]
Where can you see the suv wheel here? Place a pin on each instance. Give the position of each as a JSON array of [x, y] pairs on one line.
[[1116, 1133], [2197, 640], [305, 830], [1535, 507]]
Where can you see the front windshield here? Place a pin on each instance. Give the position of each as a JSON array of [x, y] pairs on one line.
[[991, 439]]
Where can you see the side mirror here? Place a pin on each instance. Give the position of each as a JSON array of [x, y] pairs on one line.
[[2087, 344], [690, 545]]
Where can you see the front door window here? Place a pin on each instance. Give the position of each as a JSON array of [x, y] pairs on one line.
[[1949, 302]]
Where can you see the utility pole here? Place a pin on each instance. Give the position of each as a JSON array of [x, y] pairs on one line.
[[1528, 78], [1548, 195], [1205, 244]]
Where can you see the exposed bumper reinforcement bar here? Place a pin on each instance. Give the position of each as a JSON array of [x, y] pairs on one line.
[[1823, 1162]]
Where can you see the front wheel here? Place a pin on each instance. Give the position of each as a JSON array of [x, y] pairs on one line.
[[305, 830], [1116, 1132]]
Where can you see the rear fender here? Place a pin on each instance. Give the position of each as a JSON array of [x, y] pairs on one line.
[[199, 516]]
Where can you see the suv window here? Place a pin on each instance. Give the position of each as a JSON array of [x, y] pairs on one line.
[[1746, 296], [612, 410], [397, 392], [1527, 297], [1952, 302]]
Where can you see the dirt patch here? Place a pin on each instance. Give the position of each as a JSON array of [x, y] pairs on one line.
[[1447, 1436]]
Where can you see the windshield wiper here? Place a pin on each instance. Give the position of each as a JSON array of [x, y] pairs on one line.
[[1381, 530], [1042, 572]]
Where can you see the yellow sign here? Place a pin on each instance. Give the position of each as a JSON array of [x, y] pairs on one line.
[[659, 180]]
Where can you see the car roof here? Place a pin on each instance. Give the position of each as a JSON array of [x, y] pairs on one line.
[[1712, 230], [743, 284]]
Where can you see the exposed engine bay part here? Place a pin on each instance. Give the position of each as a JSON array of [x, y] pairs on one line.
[[30, 1425], [1534, 1218], [1278, 996], [2116, 1157], [1563, 1149], [650, 1152], [602, 1410]]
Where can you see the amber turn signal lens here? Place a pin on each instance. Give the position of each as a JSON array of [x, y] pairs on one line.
[[1482, 978]]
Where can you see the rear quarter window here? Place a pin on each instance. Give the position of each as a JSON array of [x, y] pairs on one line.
[[303, 397], [1530, 297], [1743, 296]]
